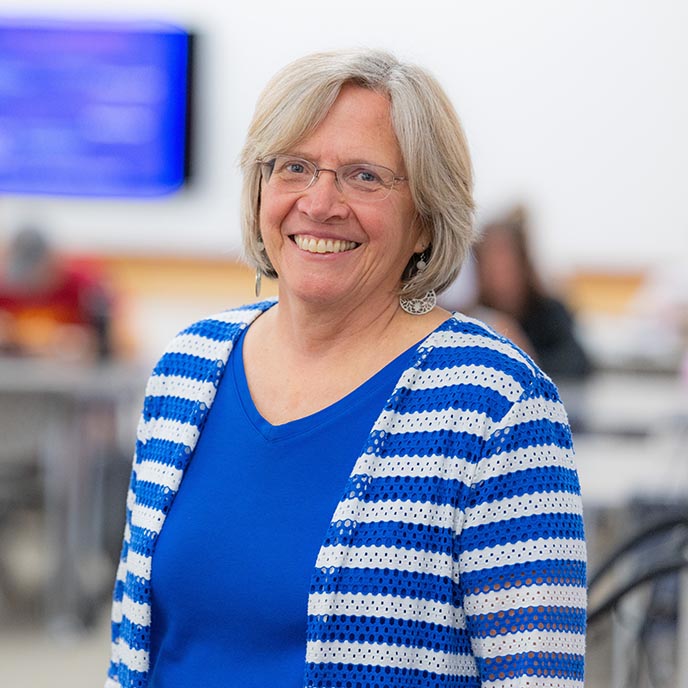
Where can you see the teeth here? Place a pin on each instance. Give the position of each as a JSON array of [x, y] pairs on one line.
[[323, 245]]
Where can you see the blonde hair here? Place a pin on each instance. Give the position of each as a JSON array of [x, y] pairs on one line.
[[427, 128]]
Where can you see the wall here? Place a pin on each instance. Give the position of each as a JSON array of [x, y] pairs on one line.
[[575, 108]]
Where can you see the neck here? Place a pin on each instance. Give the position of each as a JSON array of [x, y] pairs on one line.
[[315, 330]]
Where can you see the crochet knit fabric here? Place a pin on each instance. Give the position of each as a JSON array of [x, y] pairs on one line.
[[456, 556]]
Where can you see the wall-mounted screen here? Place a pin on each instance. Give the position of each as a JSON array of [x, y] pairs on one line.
[[94, 109]]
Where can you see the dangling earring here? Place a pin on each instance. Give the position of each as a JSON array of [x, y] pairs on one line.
[[259, 273], [424, 304]]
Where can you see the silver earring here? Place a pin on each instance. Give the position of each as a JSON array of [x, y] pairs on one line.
[[419, 306], [424, 304], [259, 273]]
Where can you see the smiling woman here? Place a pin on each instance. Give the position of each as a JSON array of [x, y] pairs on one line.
[[402, 473]]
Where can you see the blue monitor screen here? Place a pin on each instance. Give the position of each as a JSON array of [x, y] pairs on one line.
[[93, 109]]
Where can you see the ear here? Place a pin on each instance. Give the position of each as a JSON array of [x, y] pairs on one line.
[[423, 235]]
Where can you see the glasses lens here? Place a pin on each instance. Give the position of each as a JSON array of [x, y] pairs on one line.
[[291, 174], [366, 182]]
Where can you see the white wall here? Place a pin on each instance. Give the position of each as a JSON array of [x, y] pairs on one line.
[[578, 108]]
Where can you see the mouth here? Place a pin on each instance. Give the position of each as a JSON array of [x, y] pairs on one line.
[[313, 245]]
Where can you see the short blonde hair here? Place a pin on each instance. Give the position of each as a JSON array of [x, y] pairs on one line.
[[427, 128]]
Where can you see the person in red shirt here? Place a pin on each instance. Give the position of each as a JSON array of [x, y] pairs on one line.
[[48, 306]]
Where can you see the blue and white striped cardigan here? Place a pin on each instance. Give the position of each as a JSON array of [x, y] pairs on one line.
[[456, 555]]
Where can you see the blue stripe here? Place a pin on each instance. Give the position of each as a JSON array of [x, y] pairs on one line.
[[409, 536], [138, 589], [172, 408], [138, 636], [432, 490], [564, 572], [141, 542], [406, 584], [386, 630], [329, 674], [164, 452], [468, 327], [154, 495], [522, 529], [533, 433], [560, 665], [463, 397], [531, 481], [189, 366], [129, 678], [422, 443], [215, 330]]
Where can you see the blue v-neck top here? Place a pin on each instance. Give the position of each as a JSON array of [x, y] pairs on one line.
[[232, 567]]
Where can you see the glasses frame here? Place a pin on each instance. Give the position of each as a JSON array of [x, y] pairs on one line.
[[267, 167]]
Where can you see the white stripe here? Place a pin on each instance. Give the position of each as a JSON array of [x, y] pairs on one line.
[[109, 683], [385, 557], [519, 552], [138, 613], [541, 456], [436, 466], [462, 339], [116, 611], [470, 422], [387, 606], [134, 659], [160, 474], [147, 518], [525, 505], [245, 315], [525, 595], [356, 510], [139, 564], [537, 409], [198, 345], [434, 378], [531, 641], [532, 681], [182, 387], [170, 430], [390, 656]]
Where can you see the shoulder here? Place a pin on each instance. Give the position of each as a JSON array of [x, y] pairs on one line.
[[467, 351], [209, 340]]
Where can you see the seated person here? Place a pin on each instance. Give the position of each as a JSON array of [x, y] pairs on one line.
[[507, 283], [48, 307]]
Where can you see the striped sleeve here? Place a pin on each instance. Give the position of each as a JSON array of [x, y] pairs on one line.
[[522, 551]]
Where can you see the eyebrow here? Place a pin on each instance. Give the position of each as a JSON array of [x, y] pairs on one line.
[[353, 161]]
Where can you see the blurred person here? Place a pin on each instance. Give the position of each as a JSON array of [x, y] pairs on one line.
[[49, 307], [350, 485], [462, 295], [507, 282]]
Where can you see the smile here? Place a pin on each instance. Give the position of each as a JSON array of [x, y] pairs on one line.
[[313, 245]]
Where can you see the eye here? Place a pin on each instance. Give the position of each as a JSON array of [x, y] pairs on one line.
[[363, 176], [290, 166]]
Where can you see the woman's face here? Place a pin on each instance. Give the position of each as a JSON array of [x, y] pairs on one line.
[[501, 272], [366, 244]]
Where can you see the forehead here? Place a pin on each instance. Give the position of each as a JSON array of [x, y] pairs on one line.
[[358, 127]]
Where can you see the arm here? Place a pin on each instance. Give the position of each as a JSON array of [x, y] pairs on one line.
[[522, 550]]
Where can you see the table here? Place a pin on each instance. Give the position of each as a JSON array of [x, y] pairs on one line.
[[71, 420]]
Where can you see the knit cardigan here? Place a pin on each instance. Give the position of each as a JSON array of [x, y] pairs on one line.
[[456, 555]]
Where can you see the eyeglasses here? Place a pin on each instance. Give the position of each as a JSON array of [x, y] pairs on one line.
[[358, 181]]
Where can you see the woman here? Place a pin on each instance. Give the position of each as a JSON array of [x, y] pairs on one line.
[[508, 283], [375, 492]]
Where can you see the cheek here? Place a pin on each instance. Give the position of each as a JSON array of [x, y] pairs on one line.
[[272, 213]]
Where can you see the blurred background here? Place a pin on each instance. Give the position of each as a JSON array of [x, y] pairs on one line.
[[119, 191]]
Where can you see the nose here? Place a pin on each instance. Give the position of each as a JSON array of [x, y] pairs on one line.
[[323, 200]]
